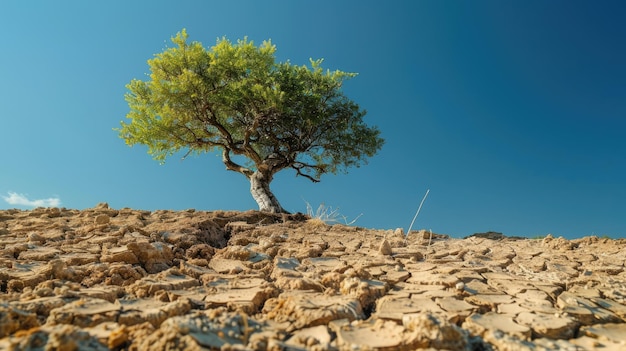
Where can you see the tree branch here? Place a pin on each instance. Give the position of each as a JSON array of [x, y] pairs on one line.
[[232, 166], [256, 158], [299, 166]]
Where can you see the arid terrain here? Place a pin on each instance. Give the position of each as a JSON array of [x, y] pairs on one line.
[[126, 279]]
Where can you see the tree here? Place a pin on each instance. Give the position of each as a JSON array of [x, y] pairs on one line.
[[235, 98]]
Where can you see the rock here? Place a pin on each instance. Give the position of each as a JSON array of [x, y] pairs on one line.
[[318, 337], [324, 264], [437, 332], [286, 267], [241, 296], [489, 302], [395, 308], [291, 283], [615, 307], [432, 278], [102, 219], [559, 243], [385, 248], [36, 238], [488, 235], [584, 310], [309, 309], [60, 337], [591, 343], [373, 335], [547, 325], [137, 311], [227, 266], [37, 253], [199, 331], [154, 257], [499, 340], [366, 291], [457, 310], [86, 312], [164, 281], [610, 331], [477, 287], [119, 254], [481, 324], [12, 320], [417, 331]]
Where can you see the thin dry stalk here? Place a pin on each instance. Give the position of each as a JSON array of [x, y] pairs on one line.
[[418, 212]]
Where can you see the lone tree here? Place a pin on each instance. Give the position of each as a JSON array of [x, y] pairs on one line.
[[235, 98]]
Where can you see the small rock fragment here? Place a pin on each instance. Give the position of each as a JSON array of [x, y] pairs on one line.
[[102, 219], [385, 248]]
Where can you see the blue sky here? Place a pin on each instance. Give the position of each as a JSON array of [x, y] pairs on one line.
[[512, 113]]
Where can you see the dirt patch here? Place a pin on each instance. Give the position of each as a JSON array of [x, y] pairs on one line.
[[128, 279]]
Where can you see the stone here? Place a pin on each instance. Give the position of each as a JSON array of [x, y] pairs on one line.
[[211, 330], [489, 235], [373, 335], [514, 308], [309, 309], [85, 312], [458, 310], [40, 306], [615, 307], [584, 310], [394, 308], [323, 264], [12, 320], [367, 291], [58, 337], [224, 265], [286, 267], [489, 302], [246, 299], [609, 331], [164, 281], [432, 278], [476, 287], [102, 219], [481, 324], [385, 248], [119, 254], [548, 325], [437, 332], [137, 311], [592, 343], [39, 253], [154, 257], [318, 336]]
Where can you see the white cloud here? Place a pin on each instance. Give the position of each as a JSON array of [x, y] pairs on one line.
[[21, 200]]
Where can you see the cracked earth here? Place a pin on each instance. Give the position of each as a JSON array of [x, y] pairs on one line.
[[108, 279]]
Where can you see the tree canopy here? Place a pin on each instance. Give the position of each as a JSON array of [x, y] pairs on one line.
[[234, 98]]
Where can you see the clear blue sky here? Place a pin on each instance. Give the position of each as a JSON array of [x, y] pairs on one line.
[[512, 113]]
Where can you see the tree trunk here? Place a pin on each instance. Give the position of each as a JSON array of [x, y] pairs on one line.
[[260, 190]]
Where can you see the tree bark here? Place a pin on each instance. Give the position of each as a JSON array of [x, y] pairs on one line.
[[260, 190]]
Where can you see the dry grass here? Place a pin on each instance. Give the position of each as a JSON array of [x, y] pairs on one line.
[[328, 214]]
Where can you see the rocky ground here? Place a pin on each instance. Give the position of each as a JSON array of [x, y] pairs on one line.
[[126, 279]]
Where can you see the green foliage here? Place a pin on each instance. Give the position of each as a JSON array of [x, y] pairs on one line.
[[235, 98]]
